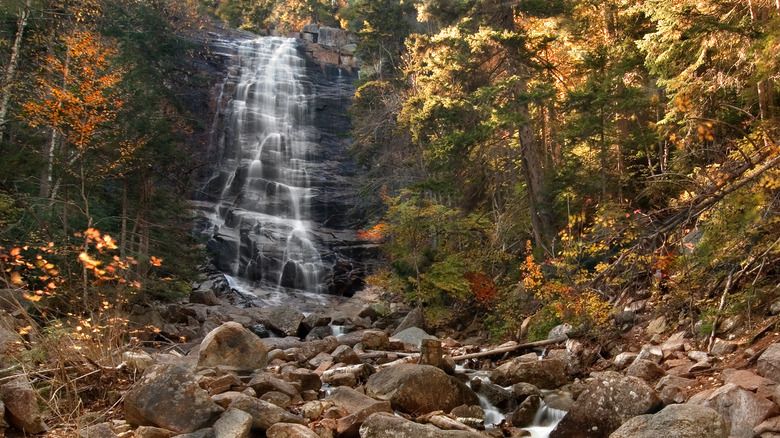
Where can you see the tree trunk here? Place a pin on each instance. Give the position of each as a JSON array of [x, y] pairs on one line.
[[45, 188], [13, 63], [123, 233], [533, 172]]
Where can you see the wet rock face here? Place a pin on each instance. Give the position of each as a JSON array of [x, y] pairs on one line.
[[280, 207]]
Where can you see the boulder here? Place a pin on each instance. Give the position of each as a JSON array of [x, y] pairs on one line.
[[346, 355], [204, 296], [169, 396], [624, 359], [232, 345], [313, 320], [264, 414], [288, 430], [286, 320], [412, 336], [741, 409], [153, 432], [768, 364], [22, 407], [419, 389], [609, 400], [413, 319], [544, 374], [375, 340], [100, 430], [674, 389], [749, 380], [384, 425], [265, 382], [675, 421], [234, 423], [722, 348], [646, 370]]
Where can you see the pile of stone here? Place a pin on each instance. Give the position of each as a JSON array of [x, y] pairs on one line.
[[382, 379]]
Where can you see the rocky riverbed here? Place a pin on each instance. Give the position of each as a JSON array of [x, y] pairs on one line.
[[275, 372]]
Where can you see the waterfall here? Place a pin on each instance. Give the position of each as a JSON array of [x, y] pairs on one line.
[[259, 215]]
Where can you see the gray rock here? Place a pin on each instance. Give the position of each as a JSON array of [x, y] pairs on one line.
[[646, 370], [169, 396], [721, 348], [153, 432], [544, 374], [675, 421], [264, 414], [560, 331], [313, 320], [608, 402], [419, 389], [741, 410], [232, 345], [100, 430], [412, 319], [768, 364], [625, 359], [265, 382], [233, 423], [384, 425], [204, 296], [288, 430], [286, 320], [412, 336], [22, 406], [375, 340], [674, 389], [346, 355]]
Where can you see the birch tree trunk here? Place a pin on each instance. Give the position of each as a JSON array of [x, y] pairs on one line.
[[13, 64]]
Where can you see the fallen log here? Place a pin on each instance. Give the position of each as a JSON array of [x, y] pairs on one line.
[[508, 349]]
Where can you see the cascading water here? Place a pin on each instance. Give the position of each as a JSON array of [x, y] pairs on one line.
[[258, 201]]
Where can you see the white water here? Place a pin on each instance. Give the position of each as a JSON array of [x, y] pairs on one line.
[[267, 152]]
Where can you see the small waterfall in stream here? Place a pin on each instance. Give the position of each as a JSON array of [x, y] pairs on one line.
[[258, 203]]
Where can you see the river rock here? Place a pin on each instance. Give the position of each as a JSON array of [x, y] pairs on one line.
[[412, 319], [286, 320], [265, 382], [169, 396], [419, 389], [675, 421], [749, 380], [624, 359], [741, 409], [412, 336], [544, 374], [358, 408], [646, 370], [287, 430], [375, 340], [313, 320], [22, 407], [234, 423], [232, 345], [264, 414], [609, 400], [768, 364], [674, 389], [153, 432], [384, 425], [100, 430]]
